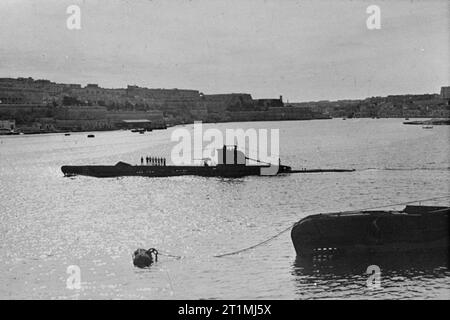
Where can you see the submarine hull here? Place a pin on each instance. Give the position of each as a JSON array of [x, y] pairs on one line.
[[414, 228], [123, 169]]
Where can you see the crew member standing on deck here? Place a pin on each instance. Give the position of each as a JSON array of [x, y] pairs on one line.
[[142, 161]]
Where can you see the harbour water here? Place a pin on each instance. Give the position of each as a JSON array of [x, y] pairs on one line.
[[49, 222]]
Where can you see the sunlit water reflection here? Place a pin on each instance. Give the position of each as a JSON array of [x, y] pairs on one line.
[[49, 222]]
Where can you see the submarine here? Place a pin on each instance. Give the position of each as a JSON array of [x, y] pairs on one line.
[[415, 228], [232, 164]]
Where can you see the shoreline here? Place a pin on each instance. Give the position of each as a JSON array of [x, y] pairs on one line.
[[435, 121]]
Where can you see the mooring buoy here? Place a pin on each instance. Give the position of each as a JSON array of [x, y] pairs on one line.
[[145, 258]]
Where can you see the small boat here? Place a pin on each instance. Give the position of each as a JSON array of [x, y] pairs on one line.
[[366, 232], [67, 134], [427, 126], [139, 130], [91, 136], [9, 133]]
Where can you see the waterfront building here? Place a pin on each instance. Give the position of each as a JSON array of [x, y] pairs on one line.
[[7, 125]]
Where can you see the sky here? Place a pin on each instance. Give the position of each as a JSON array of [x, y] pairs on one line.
[[304, 50]]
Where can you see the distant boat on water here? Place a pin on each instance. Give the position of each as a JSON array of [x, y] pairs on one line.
[[429, 123], [91, 136], [138, 130], [9, 132]]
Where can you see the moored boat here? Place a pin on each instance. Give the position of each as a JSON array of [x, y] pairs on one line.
[[413, 228]]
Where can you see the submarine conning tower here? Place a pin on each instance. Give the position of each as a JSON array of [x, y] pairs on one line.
[[230, 155]]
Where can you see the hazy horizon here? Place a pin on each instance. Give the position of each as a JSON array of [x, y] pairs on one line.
[[302, 50]]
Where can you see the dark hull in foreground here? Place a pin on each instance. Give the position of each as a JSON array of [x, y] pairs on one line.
[[415, 228]]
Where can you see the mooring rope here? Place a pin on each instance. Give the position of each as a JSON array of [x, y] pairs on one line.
[[291, 225], [170, 255], [396, 204], [256, 245]]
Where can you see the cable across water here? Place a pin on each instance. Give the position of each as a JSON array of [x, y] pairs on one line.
[[273, 237], [352, 211]]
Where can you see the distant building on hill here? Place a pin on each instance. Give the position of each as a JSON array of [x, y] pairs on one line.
[[445, 93]]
